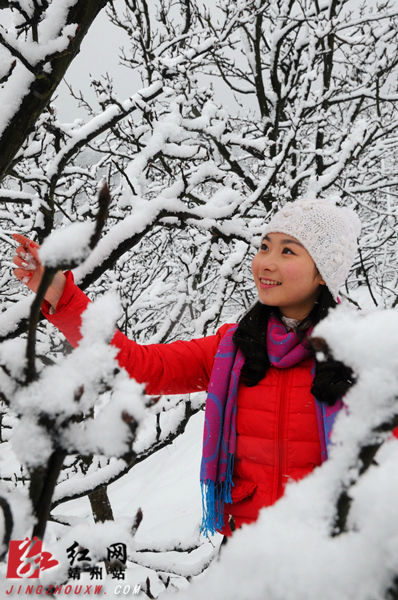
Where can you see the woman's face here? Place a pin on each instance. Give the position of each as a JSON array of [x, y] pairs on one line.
[[282, 259]]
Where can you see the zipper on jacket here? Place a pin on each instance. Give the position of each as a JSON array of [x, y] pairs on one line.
[[281, 425]]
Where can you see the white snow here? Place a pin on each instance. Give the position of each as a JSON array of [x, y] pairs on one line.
[[68, 244], [71, 387]]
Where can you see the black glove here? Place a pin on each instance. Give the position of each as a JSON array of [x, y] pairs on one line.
[[332, 378]]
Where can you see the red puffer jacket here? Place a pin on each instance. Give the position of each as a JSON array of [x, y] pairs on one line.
[[277, 432], [277, 440]]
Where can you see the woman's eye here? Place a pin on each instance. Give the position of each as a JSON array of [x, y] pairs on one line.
[[265, 247]]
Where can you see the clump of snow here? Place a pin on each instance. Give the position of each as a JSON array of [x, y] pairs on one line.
[[13, 94], [31, 443], [38, 51], [82, 483], [99, 319], [109, 433], [13, 359], [222, 203], [54, 36], [70, 244], [72, 387], [21, 510], [234, 259], [368, 332]]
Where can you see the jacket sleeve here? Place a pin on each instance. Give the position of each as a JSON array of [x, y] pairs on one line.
[[179, 367]]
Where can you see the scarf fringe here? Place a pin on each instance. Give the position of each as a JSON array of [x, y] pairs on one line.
[[214, 496]]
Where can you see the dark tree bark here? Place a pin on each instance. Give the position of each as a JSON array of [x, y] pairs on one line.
[[41, 490], [100, 505]]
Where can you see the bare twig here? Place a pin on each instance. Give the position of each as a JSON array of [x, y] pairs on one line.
[[104, 200], [9, 524]]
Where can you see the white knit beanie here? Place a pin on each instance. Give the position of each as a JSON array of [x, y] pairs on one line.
[[327, 231]]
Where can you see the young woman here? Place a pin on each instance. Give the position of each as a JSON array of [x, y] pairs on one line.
[[270, 404]]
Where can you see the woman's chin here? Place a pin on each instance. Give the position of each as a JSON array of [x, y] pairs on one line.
[[265, 299]]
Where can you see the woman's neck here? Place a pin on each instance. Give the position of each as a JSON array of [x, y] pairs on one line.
[[289, 322]]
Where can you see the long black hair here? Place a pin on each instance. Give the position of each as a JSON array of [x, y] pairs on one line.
[[332, 378]]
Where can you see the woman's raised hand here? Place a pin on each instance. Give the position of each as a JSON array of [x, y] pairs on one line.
[[30, 270]]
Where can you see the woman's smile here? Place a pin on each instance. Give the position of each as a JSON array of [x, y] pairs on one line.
[[268, 283]]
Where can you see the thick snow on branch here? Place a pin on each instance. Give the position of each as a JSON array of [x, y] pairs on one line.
[[81, 135], [71, 388], [56, 40], [13, 94], [53, 37], [68, 244]]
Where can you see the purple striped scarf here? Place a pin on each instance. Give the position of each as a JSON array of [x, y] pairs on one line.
[[219, 436]]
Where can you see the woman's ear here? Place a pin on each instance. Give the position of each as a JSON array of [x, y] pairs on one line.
[[318, 276]]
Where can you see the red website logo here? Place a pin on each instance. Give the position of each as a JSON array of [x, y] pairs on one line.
[[26, 559]]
